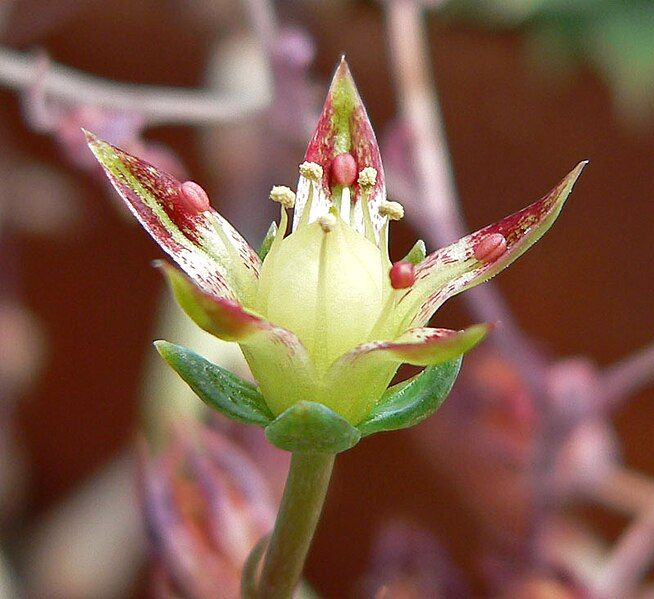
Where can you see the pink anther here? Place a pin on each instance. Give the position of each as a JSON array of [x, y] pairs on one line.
[[402, 275], [490, 248], [344, 169], [194, 197]]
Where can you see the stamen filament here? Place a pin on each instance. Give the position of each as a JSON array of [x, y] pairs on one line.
[[368, 229], [304, 219]]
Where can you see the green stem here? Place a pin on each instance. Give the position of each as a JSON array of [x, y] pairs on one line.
[[304, 496]]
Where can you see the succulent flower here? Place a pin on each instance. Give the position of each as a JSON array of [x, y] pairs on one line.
[[321, 313]]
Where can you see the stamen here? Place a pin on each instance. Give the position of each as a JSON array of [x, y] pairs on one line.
[[311, 171], [344, 169], [367, 180], [327, 222], [490, 248], [195, 199], [402, 275], [283, 195], [394, 210], [367, 177], [306, 211]]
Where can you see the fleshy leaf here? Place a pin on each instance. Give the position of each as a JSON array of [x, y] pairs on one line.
[[409, 403], [204, 244], [218, 388], [455, 268], [312, 427], [343, 127]]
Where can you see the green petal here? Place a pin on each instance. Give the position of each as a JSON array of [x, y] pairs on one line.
[[218, 388], [411, 402]]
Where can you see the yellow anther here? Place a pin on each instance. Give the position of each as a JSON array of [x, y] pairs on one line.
[[311, 171], [393, 210], [327, 222], [283, 195], [367, 177]]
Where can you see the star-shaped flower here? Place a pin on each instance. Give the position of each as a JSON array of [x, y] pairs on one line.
[[323, 315]]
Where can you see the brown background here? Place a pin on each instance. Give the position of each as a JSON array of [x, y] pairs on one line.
[[513, 132]]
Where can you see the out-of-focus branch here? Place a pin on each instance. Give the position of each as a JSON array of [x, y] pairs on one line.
[[264, 22], [627, 563], [435, 209], [156, 104], [623, 490], [628, 376]]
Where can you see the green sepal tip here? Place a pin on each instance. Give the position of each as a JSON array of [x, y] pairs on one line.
[[220, 389], [411, 402], [417, 253], [310, 427], [264, 248]]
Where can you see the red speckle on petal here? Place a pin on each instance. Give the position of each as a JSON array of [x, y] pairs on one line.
[[344, 169], [490, 248], [402, 275], [194, 197]]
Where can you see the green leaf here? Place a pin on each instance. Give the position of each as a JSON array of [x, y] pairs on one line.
[[312, 427], [218, 388], [409, 403]]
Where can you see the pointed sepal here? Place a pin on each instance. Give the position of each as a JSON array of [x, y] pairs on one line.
[[179, 219], [411, 402], [481, 255], [266, 244], [420, 347], [312, 427], [223, 318], [343, 131], [218, 388]]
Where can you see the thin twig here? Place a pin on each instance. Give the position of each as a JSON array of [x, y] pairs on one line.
[[264, 23], [157, 104], [628, 376], [633, 553], [623, 490], [435, 207]]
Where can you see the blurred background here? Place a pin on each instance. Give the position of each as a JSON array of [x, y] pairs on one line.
[[535, 479]]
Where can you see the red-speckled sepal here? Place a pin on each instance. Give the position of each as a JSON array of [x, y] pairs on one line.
[[343, 127], [202, 242], [481, 255]]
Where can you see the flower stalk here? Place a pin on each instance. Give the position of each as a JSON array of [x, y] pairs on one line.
[[304, 496]]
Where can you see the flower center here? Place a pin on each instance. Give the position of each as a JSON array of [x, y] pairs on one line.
[[323, 283]]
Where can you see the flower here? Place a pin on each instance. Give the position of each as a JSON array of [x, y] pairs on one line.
[[324, 315]]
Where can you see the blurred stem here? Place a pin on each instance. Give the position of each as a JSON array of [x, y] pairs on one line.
[[436, 211], [155, 104], [304, 496]]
